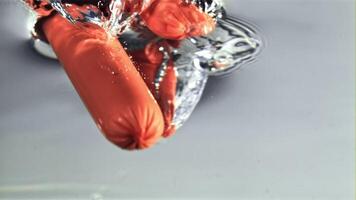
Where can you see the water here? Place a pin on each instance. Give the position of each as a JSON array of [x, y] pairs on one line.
[[231, 45], [112, 15]]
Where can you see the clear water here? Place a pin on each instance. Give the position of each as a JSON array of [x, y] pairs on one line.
[[230, 46], [118, 19], [114, 23]]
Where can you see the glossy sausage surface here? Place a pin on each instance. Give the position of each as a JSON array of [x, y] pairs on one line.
[[107, 82], [148, 62], [177, 20]]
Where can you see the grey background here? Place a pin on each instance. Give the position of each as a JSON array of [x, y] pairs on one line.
[[282, 128]]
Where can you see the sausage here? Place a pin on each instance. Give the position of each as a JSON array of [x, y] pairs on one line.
[[107, 82], [117, 98], [148, 61], [176, 19]]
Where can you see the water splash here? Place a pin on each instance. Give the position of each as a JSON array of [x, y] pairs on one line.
[[113, 16], [110, 15], [230, 46], [214, 8], [61, 8], [116, 23]]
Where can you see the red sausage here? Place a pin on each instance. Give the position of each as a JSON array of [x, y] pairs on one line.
[[107, 82], [148, 61], [176, 20], [42, 8]]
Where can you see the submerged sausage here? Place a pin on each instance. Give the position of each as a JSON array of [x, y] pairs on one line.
[[107, 82], [148, 62], [176, 19], [120, 101]]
